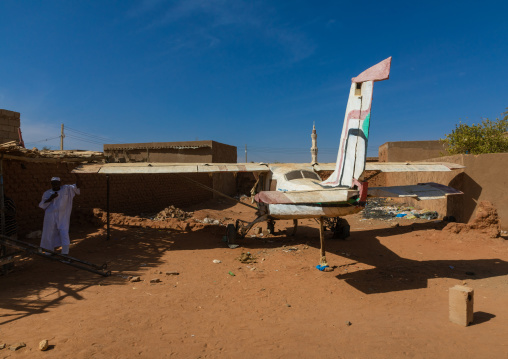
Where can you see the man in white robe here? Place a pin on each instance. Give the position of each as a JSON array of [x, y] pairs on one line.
[[57, 204]]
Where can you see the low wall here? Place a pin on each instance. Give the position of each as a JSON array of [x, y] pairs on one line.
[[485, 178]]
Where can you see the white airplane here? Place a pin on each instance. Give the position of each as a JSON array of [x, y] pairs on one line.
[[296, 191]]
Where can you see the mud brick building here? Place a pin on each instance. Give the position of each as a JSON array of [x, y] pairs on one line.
[[179, 152], [401, 151], [27, 175], [9, 126]]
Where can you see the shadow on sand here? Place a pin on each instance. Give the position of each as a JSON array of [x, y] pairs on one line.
[[38, 285]]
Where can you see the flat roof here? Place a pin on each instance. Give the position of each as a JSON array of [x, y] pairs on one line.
[[160, 145]]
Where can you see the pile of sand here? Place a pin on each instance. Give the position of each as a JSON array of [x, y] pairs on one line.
[[136, 221], [486, 221]]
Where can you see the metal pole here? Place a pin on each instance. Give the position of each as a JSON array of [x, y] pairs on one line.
[[107, 208], [322, 252], [62, 137]]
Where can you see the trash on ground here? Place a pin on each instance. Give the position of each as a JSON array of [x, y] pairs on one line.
[[246, 258], [381, 208]]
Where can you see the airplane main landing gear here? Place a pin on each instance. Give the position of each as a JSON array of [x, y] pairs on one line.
[[231, 236], [339, 226], [270, 226]]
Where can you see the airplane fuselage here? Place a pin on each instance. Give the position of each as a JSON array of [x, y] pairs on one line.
[[292, 191]]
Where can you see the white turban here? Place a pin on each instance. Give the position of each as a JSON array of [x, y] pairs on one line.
[[55, 179]]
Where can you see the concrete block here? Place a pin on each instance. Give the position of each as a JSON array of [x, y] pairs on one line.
[[461, 305]]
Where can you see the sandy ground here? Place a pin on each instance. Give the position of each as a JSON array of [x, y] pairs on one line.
[[386, 298]]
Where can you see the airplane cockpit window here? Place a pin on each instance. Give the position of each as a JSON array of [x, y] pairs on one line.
[[312, 175], [293, 175]]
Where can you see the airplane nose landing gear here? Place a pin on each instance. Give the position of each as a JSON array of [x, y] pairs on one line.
[[322, 262]]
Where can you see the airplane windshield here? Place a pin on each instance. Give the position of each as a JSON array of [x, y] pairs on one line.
[[312, 175], [293, 175], [290, 176]]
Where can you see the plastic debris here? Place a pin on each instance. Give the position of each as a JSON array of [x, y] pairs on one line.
[[231, 274], [217, 261], [381, 208], [321, 268]]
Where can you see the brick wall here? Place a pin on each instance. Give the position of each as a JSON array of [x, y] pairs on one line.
[[9, 125], [25, 182]]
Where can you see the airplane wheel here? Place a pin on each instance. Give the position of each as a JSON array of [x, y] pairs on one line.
[[340, 227], [231, 233], [270, 226]]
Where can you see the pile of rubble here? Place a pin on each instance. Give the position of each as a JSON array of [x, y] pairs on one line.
[[380, 208], [172, 212], [137, 221], [13, 149]]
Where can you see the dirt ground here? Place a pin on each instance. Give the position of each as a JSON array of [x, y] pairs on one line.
[[386, 298]]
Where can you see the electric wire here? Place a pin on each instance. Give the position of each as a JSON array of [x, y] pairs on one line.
[[84, 139], [90, 135], [47, 139]]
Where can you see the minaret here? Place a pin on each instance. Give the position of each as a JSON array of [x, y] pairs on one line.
[[314, 149]]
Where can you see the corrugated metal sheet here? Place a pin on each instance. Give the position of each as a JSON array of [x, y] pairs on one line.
[[121, 148]]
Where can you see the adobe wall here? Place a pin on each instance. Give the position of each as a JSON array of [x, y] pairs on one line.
[[9, 125], [224, 182], [206, 152], [485, 178], [176, 152], [202, 154], [25, 182], [222, 153], [402, 151]]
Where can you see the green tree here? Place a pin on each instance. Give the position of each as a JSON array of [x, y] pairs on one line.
[[485, 137]]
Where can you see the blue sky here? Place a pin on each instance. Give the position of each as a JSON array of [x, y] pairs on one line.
[[255, 73]]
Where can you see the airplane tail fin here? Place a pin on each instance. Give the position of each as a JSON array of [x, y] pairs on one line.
[[355, 131]]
